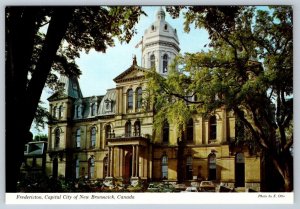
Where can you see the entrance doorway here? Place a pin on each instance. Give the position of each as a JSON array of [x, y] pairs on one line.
[[55, 168], [128, 166], [239, 170], [212, 167]]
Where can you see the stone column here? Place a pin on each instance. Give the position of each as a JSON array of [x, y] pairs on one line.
[[109, 163], [112, 162], [137, 161], [133, 160]]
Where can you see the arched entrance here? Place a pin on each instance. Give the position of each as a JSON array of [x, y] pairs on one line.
[[55, 168], [128, 166], [212, 167], [239, 170]]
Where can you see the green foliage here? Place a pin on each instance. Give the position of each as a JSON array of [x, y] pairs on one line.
[[248, 69], [41, 137]]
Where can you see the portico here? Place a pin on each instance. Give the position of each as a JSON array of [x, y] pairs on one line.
[[128, 158]]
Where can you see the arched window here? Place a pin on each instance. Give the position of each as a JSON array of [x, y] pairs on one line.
[[139, 92], [152, 60], [93, 137], [94, 109], [78, 138], [166, 27], [57, 138], [190, 131], [212, 167], [54, 112], [212, 128], [77, 168], [189, 168], [130, 99], [128, 129], [91, 164], [166, 129], [60, 111], [164, 167], [137, 128], [165, 63]]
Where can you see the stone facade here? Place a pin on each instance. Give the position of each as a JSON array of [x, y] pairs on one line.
[[111, 137]]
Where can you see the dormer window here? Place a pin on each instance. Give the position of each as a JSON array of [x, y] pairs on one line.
[[78, 111], [108, 105], [94, 109]]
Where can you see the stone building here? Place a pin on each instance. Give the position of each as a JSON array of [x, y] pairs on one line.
[[112, 137]]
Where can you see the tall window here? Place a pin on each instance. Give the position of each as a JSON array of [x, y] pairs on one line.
[[152, 61], [137, 128], [94, 109], [54, 112], [130, 99], [93, 137], [212, 166], [189, 168], [139, 98], [128, 129], [57, 138], [164, 167], [60, 111], [91, 165], [166, 132], [77, 168], [213, 128], [190, 131], [78, 137], [165, 63]]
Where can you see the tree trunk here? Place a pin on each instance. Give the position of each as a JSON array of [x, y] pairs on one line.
[[284, 165], [22, 103]]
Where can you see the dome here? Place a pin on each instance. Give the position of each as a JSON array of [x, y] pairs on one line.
[[160, 44], [161, 30]]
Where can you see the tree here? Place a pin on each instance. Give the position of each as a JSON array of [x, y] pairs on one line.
[[248, 69], [32, 58], [41, 137]]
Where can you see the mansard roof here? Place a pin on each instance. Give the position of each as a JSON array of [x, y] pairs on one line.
[[70, 88]]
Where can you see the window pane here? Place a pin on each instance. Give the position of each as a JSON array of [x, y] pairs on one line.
[[152, 60], [139, 97], [212, 128], [130, 99], [165, 63]]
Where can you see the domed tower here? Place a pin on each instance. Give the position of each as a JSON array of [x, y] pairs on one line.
[[160, 44]]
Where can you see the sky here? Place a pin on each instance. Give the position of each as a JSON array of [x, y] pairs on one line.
[[99, 69]]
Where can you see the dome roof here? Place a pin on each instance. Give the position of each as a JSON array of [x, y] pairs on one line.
[[160, 30]]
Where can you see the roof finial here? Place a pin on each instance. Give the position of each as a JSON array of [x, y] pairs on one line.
[[160, 15], [134, 60]]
